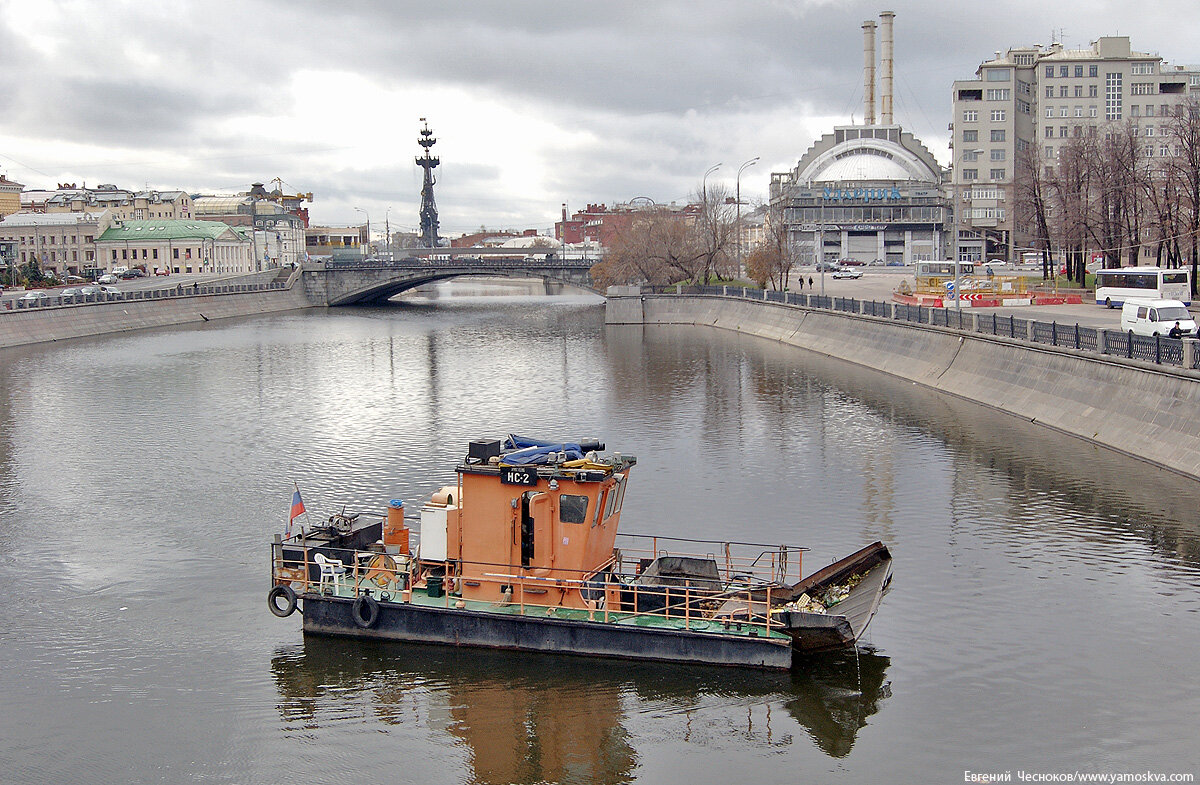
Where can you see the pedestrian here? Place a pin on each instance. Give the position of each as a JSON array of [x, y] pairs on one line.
[[810, 283], [802, 283], [196, 287], [1176, 331]]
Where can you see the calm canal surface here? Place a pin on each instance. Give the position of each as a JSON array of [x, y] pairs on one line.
[[1044, 615]]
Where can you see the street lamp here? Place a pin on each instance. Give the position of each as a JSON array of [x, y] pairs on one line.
[[738, 196], [387, 230], [368, 215]]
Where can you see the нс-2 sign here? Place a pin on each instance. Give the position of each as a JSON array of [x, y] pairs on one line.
[[519, 475]]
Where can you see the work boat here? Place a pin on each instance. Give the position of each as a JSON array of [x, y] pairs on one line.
[[523, 553]]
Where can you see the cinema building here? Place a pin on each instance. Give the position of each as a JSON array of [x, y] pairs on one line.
[[871, 192]]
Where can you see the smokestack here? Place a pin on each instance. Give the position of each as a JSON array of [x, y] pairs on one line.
[[869, 70], [885, 81]]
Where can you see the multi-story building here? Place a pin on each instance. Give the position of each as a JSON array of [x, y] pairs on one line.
[[61, 243], [180, 246], [122, 205], [599, 223], [279, 221], [1025, 104]]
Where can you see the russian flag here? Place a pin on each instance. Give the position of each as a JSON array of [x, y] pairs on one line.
[[297, 509]]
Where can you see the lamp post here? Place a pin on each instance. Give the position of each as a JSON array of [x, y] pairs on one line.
[[387, 230], [738, 197], [368, 216], [564, 232], [704, 206]]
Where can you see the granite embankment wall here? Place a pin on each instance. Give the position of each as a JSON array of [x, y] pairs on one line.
[[18, 327], [1147, 411]]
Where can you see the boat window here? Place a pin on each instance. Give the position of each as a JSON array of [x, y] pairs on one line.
[[613, 504], [600, 500], [620, 493], [572, 509]]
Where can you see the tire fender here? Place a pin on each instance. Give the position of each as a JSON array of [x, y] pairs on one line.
[[365, 611], [289, 596]]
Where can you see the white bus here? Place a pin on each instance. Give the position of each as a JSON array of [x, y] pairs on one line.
[[1116, 285]]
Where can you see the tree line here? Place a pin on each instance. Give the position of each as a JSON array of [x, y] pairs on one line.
[[1114, 191]]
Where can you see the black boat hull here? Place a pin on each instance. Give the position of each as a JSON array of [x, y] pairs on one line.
[[325, 615]]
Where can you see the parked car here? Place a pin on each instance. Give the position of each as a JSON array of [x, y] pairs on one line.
[[89, 290], [162, 271], [108, 278], [132, 273], [30, 298], [110, 290], [75, 279], [851, 262], [70, 292], [848, 272], [827, 267], [119, 270], [895, 264]]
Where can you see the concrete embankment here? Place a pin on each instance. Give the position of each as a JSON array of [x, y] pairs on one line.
[[1147, 411], [36, 325]]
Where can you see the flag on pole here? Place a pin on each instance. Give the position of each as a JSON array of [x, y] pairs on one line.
[[297, 509]]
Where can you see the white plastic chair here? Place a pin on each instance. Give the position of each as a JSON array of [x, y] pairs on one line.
[[332, 572]]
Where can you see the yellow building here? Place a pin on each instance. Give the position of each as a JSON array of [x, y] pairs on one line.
[[10, 196]]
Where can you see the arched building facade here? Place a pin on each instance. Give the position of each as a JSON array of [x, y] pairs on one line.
[[872, 193]]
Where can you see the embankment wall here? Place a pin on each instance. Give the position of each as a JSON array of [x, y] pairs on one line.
[[1147, 411], [36, 325]]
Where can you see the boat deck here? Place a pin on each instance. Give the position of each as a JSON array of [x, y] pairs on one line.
[[650, 620]]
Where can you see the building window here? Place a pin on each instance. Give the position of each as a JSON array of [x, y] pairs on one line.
[[1062, 132], [998, 134], [1023, 106], [1049, 72], [1063, 111], [998, 155], [970, 115], [1024, 88], [1064, 71], [1049, 132], [1077, 130], [971, 136], [1079, 91], [1062, 91], [1049, 148], [1091, 111], [1141, 88], [1079, 111], [1078, 71], [999, 94], [1164, 150], [1149, 130], [970, 174], [997, 174], [1135, 111], [1143, 68], [999, 74], [1049, 91], [970, 155], [1149, 110], [1049, 111], [1093, 71], [1112, 96], [1093, 91], [174, 253], [998, 115]]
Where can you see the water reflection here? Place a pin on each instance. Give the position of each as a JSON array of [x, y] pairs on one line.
[[544, 718]]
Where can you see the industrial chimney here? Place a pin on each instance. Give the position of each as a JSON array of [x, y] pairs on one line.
[[869, 70], [886, 58]]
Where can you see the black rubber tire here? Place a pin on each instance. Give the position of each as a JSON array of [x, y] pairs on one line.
[[289, 594], [1108, 303], [365, 611]]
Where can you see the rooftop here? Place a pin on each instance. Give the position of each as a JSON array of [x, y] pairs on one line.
[[166, 229]]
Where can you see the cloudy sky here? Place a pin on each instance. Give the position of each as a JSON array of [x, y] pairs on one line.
[[533, 103]]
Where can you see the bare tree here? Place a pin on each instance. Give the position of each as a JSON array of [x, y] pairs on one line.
[[716, 230], [772, 260], [657, 247], [1185, 139], [1033, 202]]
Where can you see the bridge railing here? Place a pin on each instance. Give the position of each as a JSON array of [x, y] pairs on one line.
[[1184, 353], [461, 261], [51, 300]]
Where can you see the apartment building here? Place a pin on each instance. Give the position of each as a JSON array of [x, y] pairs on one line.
[[180, 246], [1030, 101], [122, 205]]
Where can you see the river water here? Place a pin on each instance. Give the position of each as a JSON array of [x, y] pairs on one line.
[[1044, 615]]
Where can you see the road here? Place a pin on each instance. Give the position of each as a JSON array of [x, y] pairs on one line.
[[878, 283]]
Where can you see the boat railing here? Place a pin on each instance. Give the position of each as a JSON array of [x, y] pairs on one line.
[[610, 595], [770, 563]]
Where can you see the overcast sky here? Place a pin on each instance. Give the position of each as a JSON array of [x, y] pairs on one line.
[[533, 103]]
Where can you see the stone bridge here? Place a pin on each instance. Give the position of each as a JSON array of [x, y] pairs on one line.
[[366, 281]]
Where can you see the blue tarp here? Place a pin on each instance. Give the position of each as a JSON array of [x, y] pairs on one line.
[[536, 451]]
